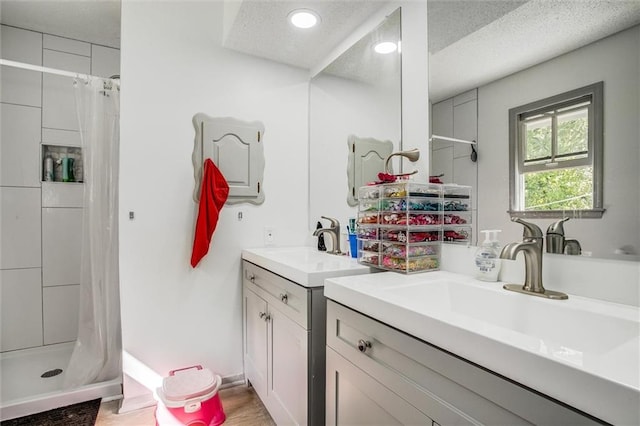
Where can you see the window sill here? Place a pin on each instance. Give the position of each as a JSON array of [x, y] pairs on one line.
[[552, 214]]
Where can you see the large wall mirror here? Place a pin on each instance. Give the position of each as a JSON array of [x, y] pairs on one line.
[[355, 120], [514, 53]]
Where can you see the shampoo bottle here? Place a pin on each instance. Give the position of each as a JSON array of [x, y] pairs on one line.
[[487, 260], [48, 169]]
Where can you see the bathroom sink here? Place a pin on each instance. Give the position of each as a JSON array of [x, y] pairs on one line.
[[583, 352], [304, 265], [569, 331], [308, 258]]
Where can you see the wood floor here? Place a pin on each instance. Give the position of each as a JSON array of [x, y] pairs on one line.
[[240, 403]]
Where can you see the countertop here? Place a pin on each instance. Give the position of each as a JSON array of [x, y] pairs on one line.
[[304, 265], [583, 352]]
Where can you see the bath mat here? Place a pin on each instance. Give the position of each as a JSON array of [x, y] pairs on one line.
[[82, 414]]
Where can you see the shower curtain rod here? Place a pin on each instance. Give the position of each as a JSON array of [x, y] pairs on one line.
[[46, 69], [446, 138]]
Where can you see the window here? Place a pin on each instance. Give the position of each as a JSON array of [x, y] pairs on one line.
[[555, 153]]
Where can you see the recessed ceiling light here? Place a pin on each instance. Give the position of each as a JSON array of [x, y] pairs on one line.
[[385, 47], [304, 18]]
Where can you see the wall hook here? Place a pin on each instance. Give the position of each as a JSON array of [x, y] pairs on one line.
[[474, 154]]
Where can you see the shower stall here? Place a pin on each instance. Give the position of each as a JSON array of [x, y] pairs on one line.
[[60, 322]]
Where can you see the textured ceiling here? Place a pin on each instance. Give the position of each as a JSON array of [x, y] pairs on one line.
[[96, 21], [449, 21], [535, 32], [472, 42], [360, 62], [261, 28]]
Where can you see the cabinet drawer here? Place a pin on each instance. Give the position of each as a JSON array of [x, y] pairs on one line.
[[355, 398], [448, 389], [289, 297]]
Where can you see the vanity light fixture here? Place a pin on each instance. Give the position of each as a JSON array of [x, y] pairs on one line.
[[385, 47], [304, 18]]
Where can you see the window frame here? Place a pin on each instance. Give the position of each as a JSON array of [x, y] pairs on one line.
[[593, 92]]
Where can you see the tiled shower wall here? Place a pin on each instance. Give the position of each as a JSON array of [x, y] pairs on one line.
[[41, 222]]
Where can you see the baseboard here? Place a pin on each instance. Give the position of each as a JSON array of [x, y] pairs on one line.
[[231, 381], [136, 403]]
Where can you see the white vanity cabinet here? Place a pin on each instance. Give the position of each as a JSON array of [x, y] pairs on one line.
[[284, 329], [379, 375]]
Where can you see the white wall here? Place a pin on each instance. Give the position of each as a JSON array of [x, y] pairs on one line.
[[415, 84], [172, 68], [616, 61]]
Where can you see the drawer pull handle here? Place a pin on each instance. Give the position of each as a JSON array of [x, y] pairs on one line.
[[363, 345], [267, 318], [285, 298], [252, 278], [262, 315]]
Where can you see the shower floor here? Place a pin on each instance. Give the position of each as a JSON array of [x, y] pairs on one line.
[[24, 392], [20, 371]]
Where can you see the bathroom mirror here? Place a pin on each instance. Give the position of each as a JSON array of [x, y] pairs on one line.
[[561, 54], [355, 115]]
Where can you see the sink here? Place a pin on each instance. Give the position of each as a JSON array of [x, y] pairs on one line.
[[304, 265], [309, 258], [583, 352], [569, 331]]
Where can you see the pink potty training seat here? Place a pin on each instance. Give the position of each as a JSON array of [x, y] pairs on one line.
[[189, 397]]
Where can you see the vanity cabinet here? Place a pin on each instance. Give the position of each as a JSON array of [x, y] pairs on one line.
[[379, 375], [284, 349]]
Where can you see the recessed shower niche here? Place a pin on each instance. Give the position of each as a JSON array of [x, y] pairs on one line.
[[62, 164]]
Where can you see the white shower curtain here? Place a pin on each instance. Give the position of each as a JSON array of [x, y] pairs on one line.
[[97, 353]]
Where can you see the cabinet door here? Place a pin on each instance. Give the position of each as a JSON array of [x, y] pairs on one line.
[[255, 342], [288, 379], [236, 147], [354, 397], [366, 159]]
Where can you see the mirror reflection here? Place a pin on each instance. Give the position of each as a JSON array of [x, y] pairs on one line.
[[355, 120], [479, 70]]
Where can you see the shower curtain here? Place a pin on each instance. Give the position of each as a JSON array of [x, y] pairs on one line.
[[97, 353]]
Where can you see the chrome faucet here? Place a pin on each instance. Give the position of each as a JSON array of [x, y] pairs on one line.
[[531, 248], [334, 232]]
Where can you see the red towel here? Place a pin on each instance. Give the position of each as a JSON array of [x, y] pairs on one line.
[[213, 194]]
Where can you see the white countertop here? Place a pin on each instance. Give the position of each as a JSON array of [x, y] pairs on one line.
[[304, 265], [583, 352]]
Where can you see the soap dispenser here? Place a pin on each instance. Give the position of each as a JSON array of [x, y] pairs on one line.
[[555, 237], [487, 259]]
